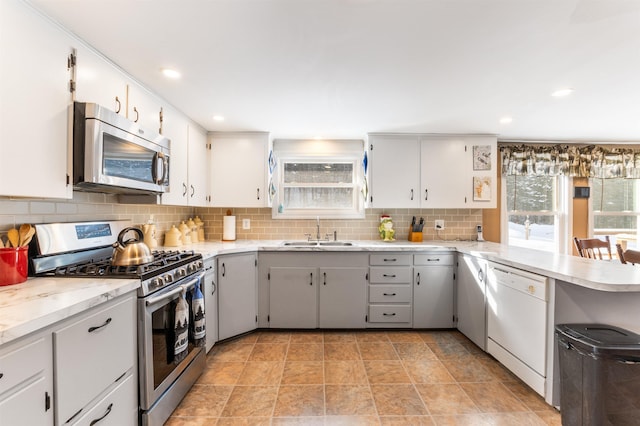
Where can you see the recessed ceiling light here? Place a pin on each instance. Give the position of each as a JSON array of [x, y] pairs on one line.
[[218, 118], [170, 73], [506, 120], [562, 92]]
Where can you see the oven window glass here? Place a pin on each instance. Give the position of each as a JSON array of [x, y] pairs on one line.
[[127, 160], [163, 340]]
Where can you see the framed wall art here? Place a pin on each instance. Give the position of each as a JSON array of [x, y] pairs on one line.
[[482, 188], [482, 157]]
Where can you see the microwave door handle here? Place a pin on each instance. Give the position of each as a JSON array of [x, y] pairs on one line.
[[154, 168]]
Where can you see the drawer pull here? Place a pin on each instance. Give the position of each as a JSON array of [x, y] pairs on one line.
[[389, 275], [434, 260], [389, 315], [92, 329], [389, 294], [390, 260], [1, 374], [93, 422]]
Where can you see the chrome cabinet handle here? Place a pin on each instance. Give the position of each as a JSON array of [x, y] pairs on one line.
[[418, 278], [105, 415], [137, 115], [106, 323], [118, 105]]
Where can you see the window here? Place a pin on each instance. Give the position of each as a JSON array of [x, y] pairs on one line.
[[615, 210], [533, 218], [319, 180]]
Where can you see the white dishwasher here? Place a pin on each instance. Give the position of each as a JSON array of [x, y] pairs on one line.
[[517, 322]]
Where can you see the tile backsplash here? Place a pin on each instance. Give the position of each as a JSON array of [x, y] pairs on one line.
[[459, 223]]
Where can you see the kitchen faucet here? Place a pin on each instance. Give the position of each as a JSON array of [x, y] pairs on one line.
[[317, 228]]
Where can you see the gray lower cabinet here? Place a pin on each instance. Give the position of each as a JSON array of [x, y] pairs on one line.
[[293, 297], [210, 292], [237, 294], [343, 292], [310, 290], [390, 290], [26, 381], [433, 289], [471, 300]]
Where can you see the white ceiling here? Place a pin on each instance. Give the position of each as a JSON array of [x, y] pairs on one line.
[[343, 68]]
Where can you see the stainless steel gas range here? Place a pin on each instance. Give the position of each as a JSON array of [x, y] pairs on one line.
[[84, 249]]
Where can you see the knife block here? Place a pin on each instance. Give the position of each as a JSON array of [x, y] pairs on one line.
[[414, 237]]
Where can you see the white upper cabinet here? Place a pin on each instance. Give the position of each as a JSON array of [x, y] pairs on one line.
[[395, 171], [433, 171], [98, 81], [144, 108], [239, 169], [199, 191], [188, 166], [34, 101]]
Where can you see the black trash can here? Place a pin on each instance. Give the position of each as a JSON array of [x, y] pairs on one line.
[[599, 375]]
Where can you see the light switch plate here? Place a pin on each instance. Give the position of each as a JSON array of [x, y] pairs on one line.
[[246, 223]]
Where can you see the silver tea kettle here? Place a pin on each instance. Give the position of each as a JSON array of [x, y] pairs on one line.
[[131, 252]]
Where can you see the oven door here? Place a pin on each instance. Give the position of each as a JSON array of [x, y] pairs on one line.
[[158, 368]]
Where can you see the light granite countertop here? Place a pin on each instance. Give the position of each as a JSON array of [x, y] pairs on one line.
[[40, 302]]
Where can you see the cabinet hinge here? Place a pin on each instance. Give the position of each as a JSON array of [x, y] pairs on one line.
[[256, 263], [71, 67], [465, 148], [371, 199], [370, 147], [68, 179], [72, 86], [454, 276], [269, 276], [161, 117], [367, 276], [268, 318], [256, 318], [366, 318], [465, 199], [47, 401], [455, 319]]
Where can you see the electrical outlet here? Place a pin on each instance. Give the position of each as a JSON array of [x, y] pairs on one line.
[[246, 223], [439, 224]]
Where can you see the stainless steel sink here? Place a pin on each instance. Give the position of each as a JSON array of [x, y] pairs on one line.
[[301, 243], [317, 244]]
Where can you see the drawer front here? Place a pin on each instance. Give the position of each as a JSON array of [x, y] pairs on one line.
[[22, 362], [119, 407], [390, 313], [391, 275], [434, 259], [390, 259], [91, 353], [390, 293]]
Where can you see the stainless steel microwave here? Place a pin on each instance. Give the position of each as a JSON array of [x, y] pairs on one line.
[[113, 154]]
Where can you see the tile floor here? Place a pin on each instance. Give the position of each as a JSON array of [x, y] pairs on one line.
[[358, 378]]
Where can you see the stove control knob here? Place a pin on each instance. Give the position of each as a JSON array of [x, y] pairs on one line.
[[181, 272], [157, 282], [200, 264], [168, 278]]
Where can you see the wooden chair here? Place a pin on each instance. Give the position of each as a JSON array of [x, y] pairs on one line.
[[592, 247], [628, 256]]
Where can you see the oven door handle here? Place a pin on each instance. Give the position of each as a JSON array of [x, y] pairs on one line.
[[181, 288]]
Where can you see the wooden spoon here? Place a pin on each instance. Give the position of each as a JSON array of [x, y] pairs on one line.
[[14, 237], [26, 238], [24, 231]]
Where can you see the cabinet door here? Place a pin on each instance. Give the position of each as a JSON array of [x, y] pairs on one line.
[[470, 299], [144, 108], [210, 303], [98, 81], [443, 178], [34, 101], [433, 291], [176, 128], [238, 169], [395, 171], [293, 297], [343, 297], [198, 167], [482, 171], [237, 295], [27, 405]]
